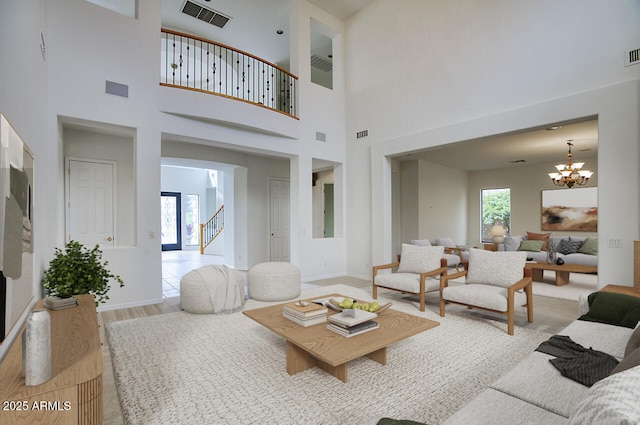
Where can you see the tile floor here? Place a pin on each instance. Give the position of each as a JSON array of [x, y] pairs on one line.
[[176, 264]]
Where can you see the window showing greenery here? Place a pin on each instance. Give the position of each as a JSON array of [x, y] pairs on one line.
[[496, 213]]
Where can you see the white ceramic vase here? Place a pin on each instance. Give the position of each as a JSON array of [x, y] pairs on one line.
[[36, 348]]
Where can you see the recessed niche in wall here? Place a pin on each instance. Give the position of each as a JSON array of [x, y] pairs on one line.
[[100, 186], [321, 54], [325, 186]]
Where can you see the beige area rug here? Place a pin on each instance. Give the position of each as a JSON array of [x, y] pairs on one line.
[[181, 368]]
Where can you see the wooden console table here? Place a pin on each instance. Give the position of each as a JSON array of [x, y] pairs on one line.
[[74, 395]]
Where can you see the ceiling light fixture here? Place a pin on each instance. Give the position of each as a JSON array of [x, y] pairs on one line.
[[570, 173]]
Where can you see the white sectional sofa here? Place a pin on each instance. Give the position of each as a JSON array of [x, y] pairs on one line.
[[571, 244], [535, 392]]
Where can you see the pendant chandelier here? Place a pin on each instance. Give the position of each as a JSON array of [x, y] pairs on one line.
[[570, 173]]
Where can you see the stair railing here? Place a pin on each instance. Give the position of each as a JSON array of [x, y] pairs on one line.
[[199, 64], [210, 230]]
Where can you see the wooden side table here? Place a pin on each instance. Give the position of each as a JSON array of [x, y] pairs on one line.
[[74, 394], [491, 246]]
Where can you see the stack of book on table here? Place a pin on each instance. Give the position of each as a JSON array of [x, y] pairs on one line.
[[57, 303], [352, 322], [305, 313]]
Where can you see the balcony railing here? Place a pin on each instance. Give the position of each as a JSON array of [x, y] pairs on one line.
[[198, 64]]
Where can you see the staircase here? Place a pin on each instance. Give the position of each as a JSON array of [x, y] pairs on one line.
[[210, 230]]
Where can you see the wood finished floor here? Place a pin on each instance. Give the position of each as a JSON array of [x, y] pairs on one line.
[[551, 315]]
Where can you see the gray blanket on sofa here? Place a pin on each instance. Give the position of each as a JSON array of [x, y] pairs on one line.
[[583, 365]]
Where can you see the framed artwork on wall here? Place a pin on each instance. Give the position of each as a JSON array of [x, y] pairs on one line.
[[570, 209], [17, 286]]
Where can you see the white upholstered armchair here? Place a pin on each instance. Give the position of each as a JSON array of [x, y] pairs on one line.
[[418, 271], [494, 281]]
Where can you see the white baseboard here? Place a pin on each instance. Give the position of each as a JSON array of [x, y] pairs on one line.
[[129, 305]]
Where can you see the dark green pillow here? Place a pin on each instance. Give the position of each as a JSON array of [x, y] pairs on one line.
[[613, 309], [531, 245], [590, 247], [389, 421]]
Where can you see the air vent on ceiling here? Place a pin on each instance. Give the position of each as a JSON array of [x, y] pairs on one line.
[[632, 57], [210, 16], [321, 63]]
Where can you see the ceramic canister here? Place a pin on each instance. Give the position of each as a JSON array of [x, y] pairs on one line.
[[36, 348]]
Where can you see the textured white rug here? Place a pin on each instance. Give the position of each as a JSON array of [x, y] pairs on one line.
[[181, 368]]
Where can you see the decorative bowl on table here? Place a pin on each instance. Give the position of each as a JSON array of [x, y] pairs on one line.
[[351, 303]]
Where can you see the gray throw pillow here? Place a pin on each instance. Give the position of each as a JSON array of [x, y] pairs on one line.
[[511, 243], [567, 246], [630, 360], [634, 342]]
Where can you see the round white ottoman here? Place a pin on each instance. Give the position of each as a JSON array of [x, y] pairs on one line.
[[274, 281], [212, 289]]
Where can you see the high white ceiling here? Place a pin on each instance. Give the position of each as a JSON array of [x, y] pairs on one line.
[[254, 30]]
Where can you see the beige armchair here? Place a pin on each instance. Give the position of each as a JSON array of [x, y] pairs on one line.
[[419, 269], [494, 281]]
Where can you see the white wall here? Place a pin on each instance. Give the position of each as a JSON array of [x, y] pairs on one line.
[[21, 24], [88, 45], [479, 69]]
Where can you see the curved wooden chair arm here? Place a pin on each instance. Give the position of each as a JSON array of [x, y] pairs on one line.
[[385, 266], [521, 284], [444, 279], [434, 272]]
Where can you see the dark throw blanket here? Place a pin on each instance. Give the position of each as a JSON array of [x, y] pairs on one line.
[[584, 365]]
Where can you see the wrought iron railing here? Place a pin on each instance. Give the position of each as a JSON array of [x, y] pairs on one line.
[[199, 64], [211, 229]]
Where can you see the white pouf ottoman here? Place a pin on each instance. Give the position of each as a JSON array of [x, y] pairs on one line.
[[274, 281], [212, 289]]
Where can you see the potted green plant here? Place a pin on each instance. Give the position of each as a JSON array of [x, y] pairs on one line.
[[79, 270]]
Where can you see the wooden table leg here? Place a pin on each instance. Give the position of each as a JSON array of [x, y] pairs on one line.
[[562, 277], [298, 360], [536, 275], [379, 355]]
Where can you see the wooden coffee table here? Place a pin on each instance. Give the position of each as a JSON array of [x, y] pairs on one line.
[[562, 271], [316, 346]]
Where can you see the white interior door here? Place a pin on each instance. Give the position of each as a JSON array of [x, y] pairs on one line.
[[279, 217], [90, 202]]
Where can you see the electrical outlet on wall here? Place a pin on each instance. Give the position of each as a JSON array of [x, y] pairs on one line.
[[614, 243]]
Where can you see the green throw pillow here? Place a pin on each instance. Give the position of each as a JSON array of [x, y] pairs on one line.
[[531, 245], [590, 247], [613, 309]]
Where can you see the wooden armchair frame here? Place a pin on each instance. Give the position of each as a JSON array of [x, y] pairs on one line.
[[442, 271], [525, 283]]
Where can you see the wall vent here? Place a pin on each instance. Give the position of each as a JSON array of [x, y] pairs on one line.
[[209, 16], [361, 134], [321, 63], [321, 137], [116, 89], [632, 57]]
